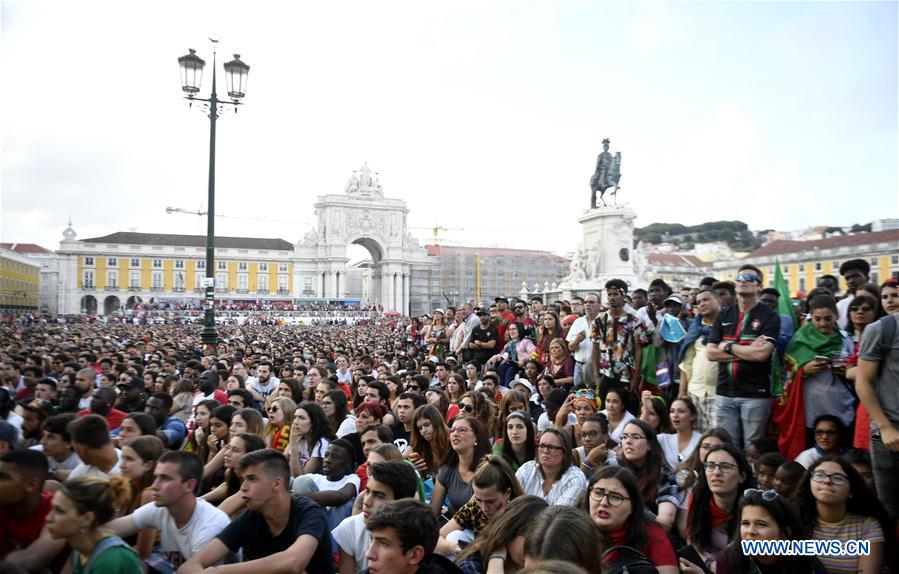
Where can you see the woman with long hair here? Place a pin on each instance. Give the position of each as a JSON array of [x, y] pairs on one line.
[[280, 417], [310, 435], [79, 509], [479, 406], [137, 424], [565, 533], [336, 407], [247, 420], [552, 474], [494, 486], [360, 386], [196, 438], [234, 450], [430, 441], [863, 310], [594, 450], [518, 442], [615, 413], [513, 401], [137, 462], [290, 389], [219, 433], [654, 410], [560, 364], [549, 329], [314, 375], [615, 505], [469, 442], [437, 398], [712, 514], [678, 445], [435, 335], [456, 387], [835, 504], [182, 400], [642, 454], [499, 548], [510, 361], [763, 515], [472, 375], [687, 473]]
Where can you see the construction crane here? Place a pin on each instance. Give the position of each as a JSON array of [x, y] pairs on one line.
[[436, 229], [171, 210]]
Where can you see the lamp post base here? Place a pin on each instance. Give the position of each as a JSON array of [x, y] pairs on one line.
[[209, 335]]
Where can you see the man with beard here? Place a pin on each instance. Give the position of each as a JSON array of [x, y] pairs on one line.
[[102, 404], [208, 388], [34, 413], [85, 380], [264, 383]]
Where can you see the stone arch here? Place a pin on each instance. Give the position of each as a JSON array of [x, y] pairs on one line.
[[89, 305], [111, 304]]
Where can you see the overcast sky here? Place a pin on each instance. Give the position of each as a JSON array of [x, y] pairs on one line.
[[486, 116]]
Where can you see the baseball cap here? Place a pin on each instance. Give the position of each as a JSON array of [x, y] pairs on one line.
[[8, 433], [42, 407], [676, 297], [524, 382], [481, 311], [503, 299]]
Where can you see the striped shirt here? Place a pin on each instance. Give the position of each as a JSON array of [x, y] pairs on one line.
[[852, 527]]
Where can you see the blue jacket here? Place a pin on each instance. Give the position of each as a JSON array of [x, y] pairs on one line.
[[695, 331]]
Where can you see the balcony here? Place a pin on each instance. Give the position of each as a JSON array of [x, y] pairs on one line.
[[90, 287], [262, 291], [111, 288], [199, 290], [221, 289], [134, 287], [243, 291], [178, 289], [283, 291], [157, 288]]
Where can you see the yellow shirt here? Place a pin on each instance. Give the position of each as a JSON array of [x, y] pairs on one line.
[[701, 373]]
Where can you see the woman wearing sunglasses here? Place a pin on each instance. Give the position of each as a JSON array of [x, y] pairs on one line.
[[835, 504], [553, 475], [469, 442], [712, 515], [762, 515], [614, 504], [280, 417], [863, 310]]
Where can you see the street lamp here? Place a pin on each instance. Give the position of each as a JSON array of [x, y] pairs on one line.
[[236, 79]]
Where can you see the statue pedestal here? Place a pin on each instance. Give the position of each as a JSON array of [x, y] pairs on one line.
[[609, 244]]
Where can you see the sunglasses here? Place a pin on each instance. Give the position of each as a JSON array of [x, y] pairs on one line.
[[863, 309], [412, 388], [748, 277], [467, 408], [583, 394], [767, 495]]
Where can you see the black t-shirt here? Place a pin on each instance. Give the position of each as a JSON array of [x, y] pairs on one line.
[[484, 336], [250, 531], [745, 379], [400, 436]]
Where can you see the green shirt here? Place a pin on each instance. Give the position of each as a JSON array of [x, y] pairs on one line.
[[115, 560]]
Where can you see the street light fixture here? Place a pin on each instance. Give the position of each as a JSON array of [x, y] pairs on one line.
[[236, 79]]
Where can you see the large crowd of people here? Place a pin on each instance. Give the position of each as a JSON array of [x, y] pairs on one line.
[[628, 430]]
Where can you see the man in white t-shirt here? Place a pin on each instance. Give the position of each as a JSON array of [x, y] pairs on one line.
[[90, 439], [581, 345], [56, 444], [336, 488], [264, 383], [387, 481], [185, 523]]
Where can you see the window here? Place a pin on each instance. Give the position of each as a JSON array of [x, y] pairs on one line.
[[179, 263], [134, 280], [817, 266], [135, 262], [111, 262], [873, 261], [801, 267], [802, 283], [88, 282], [786, 269], [179, 281], [242, 282], [282, 283], [307, 286], [201, 265], [198, 281], [112, 279], [262, 281], [156, 283], [282, 268], [875, 278], [222, 265], [895, 260], [835, 265], [157, 264], [221, 282], [263, 267], [241, 265], [89, 261]]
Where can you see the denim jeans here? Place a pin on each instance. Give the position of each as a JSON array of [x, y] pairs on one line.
[[885, 464], [743, 417]]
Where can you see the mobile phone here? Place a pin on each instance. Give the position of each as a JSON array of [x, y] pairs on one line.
[[690, 554]]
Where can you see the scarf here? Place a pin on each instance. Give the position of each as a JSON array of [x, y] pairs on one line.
[[789, 412]]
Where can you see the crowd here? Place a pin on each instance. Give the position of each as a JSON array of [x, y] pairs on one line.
[[629, 430]]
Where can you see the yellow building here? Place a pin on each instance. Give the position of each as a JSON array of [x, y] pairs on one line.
[[19, 281], [803, 262]]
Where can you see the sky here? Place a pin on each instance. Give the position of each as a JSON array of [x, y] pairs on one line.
[[485, 117]]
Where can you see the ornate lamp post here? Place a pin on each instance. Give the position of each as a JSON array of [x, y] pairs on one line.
[[236, 79]]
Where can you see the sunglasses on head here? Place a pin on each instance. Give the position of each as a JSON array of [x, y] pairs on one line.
[[584, 394]]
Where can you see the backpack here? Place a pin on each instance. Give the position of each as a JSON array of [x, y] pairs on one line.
[[100, 548], [629, 561]]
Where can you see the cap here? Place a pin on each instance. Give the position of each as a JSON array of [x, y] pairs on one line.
[[42, 407], [503, 299], [676, 297], [133, 383], [481, 311], [451, 358], [9, 433], [524, 382], [439, 310]]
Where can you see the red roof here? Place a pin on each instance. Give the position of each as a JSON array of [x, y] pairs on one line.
[[438, 250], [782, 247], [675, 260], [25, 248]]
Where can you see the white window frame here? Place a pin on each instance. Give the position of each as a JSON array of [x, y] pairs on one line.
[[112, 278], [222, 265], [262, 282], [112, 262], [157, 264], [88, 261], [135, 262], [179, 263], [157, 281], [132, 283], [241, 265], [87, 281], [243, 282], [263, 267]]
